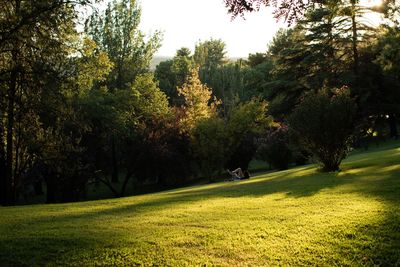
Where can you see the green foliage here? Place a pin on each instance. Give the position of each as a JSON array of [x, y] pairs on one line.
[[92, 67], [209, 55], [285, 86], [151, 101], [223, 76], [227, 83], [274, 148], [245, 123], [323, 50], [250, 116], [173, 73], [257, 75], [37, 39], [324, 123], [182, 65], [116, 32], [209, 144], [217, 143], [389, 53]]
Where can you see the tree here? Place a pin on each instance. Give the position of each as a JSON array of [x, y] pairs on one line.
[[173, 73], [244, 123], [147, 105], [182, 65], [274, 148], [322, 50], [388, 57], [286, 84], [60, 150], [257, 74], [199, 103], [33, 43], [128, 114], [209, 56], [324, 123], [223, 76], [209, 144], [116, 32], [166, 78]]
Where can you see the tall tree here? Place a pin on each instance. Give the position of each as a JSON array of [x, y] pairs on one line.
[[116, 31], [173, 74], [209, 55], [33, 43]]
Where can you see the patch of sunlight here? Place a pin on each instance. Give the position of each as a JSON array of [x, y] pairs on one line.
[[356, 171], [390, 168], [304, 172]]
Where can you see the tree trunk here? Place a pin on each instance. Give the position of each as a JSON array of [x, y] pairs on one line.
[[10, 192], [354, 37], [10, 182], [37, 186], [114, 162], [51, 188], [127, 177], [3, 180], [393, 126]]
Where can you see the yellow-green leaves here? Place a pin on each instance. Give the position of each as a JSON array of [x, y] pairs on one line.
[[199, 103]]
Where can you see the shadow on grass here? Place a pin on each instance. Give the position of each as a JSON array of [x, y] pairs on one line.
[[381, 182], [301, 182], [28, 251]]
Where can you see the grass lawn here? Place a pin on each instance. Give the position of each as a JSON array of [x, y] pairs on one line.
[[294, 217]]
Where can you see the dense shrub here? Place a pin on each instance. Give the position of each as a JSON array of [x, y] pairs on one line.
[[324, 123], [274, 148], [242, 153], [210, 146]]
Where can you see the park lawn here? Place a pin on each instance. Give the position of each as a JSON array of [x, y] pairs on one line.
[[294, 217]]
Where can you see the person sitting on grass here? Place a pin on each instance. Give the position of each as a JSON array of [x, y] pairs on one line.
[[238, 174]]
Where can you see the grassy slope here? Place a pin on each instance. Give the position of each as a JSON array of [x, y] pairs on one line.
[[295, 217]]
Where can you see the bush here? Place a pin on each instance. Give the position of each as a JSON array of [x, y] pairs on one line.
[[243, 153], [324, 123], [209, 146], [274, 148]]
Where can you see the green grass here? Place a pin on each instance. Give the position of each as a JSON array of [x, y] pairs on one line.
[[294, 217]]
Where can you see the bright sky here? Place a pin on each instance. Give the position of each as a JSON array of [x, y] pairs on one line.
[[185, 22]]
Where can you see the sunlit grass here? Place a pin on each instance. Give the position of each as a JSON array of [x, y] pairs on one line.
[[294, 217]]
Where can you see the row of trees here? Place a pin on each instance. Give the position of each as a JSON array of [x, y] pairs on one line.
[[82, 108], [78, 108], [70, 102], [331, 78]]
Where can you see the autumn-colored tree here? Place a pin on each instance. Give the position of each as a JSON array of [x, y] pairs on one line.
[[199, 103]]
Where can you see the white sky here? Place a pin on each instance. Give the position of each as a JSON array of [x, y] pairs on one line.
[[185, 22]]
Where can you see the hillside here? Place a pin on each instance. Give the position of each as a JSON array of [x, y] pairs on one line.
[[294, 217], [156, 60]]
